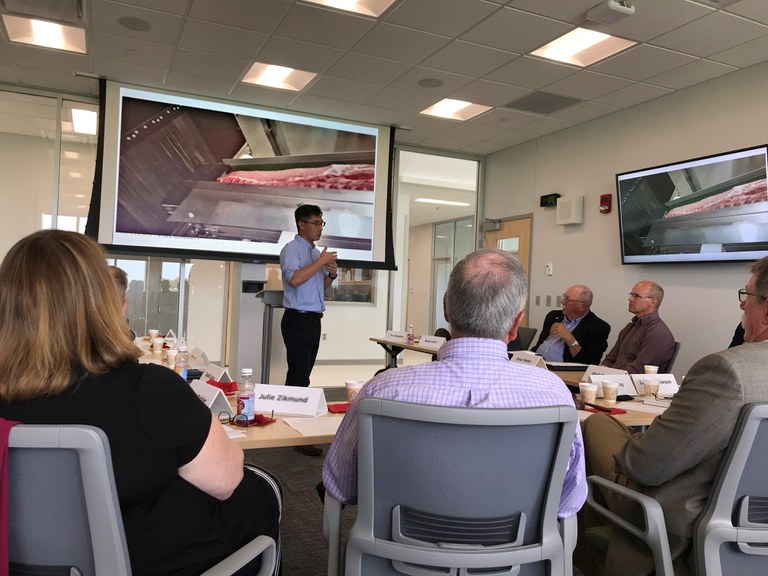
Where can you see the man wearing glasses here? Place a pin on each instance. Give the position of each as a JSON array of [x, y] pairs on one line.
[[646, 339], [307, 273], [575, 333], [677, 458]]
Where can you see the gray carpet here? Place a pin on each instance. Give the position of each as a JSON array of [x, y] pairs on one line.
[[305, 552]]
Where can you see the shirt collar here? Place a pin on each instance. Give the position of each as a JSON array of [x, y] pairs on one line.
[[473, 347], [303, 240], [645, 320]]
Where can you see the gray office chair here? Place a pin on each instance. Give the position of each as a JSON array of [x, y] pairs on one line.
[[63, 510], [524, 339], [459, 489], [731, 535], [671, 362]]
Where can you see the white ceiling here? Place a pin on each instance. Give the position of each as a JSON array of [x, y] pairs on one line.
[[369, 69]]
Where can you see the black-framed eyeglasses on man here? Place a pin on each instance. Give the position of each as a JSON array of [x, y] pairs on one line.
[[743, 295], [320, 223], [635, 295]]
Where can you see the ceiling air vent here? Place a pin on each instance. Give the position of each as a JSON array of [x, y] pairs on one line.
[[542, 103]]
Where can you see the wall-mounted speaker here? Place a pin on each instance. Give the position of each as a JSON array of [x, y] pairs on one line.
[[570, 210]]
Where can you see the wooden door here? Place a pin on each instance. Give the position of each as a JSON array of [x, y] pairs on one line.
[[514, 236]]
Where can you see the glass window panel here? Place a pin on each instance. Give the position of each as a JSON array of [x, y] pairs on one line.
[[78, 162]]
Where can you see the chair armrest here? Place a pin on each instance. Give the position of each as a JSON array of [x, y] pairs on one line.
[[332, 533], [654, 533], [261, 545]]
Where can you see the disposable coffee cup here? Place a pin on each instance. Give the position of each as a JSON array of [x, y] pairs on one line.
[[353, 387], [157, 345], [610, 390], [650, 369], [153, 334], [588, 391], [650, 387], [170, 356]]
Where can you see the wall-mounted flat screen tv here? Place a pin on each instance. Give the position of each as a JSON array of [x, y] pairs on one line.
[[192, 176], [710, 209]]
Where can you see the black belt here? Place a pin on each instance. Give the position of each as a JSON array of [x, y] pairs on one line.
[[318, 314]]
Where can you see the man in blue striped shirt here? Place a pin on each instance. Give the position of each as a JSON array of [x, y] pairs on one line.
[[484, 305]]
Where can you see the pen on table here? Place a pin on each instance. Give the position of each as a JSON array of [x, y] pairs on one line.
[[597, 406]]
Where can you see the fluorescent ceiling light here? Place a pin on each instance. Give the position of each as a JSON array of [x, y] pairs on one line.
[[438, 201], [45, 34], [277, 77], [455, 109], [583, 47], [71, 155], [365, 7], [84, 121]]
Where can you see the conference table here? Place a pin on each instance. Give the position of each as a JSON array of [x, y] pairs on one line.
[[280, 434], [393, 349]]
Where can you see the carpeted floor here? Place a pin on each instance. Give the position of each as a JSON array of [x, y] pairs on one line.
[[305, 552]]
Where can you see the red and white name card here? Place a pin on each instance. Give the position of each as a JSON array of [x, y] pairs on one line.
[[212, 397], [215, 372]]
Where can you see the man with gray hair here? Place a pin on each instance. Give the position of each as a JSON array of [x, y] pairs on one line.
[[484, 305]]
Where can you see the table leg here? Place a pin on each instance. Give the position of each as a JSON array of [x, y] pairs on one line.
[[392, 352]]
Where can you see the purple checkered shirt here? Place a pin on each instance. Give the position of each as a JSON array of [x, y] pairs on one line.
[[472, 372]]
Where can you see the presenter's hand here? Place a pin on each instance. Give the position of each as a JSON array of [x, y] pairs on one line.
[[327, 257], [331, 268]]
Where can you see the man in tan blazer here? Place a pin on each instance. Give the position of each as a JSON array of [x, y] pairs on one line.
[[676, 459]]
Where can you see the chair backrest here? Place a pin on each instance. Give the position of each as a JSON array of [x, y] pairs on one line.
[[733, 530], [671, 362], [524, 339], [459, 488], [63, 508]]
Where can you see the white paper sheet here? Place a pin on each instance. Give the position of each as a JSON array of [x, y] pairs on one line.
[[319, 426], [232, 433]]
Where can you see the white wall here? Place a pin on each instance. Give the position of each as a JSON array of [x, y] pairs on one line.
[[701, 305]]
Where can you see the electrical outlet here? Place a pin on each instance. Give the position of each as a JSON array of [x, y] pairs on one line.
[[549, 300], [324, 335], [559, 300], [538, 300]]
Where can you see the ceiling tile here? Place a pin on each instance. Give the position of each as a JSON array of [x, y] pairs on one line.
[[584, 111], [401, 44], [752, 9], [506, 118], [690, 74], [171, 6], [319, 105], [489, 93], [469, 59], [194, 84], [219, 39], [131, 50], [141, 75], [299, 55], [573, 11], [711, 34], [401, 100], [653, 18], [376, 115], [516, 31], [586, 85], [744, 55], [453, 16], [9, 75], [45, 59], [474, 131], [449, 83], [545, 125], [368, 68], [260, 16], [165, 28], [342, 89], [531, 72], [445, 142], [642, 62], [202, 64], [324, 27], [263, 96], [64, 80], [632, 95]]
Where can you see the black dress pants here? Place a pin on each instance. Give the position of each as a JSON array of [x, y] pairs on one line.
[[301, 335]]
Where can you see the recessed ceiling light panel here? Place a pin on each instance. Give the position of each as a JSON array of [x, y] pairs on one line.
[[274, 76], [365, 7], [582, 47], [455, 109], [45, 34]]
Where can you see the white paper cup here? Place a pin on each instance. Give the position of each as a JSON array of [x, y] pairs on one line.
[[588, 391], [610, 390], [153, 334], [170, 357], [650, 387], [157, 345], [353, 387], [650, 369]]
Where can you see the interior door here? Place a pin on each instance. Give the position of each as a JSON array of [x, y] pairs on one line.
[[514, 236]]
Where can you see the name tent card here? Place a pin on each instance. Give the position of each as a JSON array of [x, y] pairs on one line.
[[397, 336], [626, 386], [215, 372], [212, 397], [434, 342], [530, 358], [600, 371], [667, 383], [290, 400]]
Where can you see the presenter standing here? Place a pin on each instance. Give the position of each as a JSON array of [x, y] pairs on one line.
[[307, 273]]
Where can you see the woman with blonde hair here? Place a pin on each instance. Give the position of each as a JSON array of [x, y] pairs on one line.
[[66, 357]]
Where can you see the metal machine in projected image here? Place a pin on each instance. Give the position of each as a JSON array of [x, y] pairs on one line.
[[702, 210]]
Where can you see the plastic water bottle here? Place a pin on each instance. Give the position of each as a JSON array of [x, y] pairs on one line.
[[181, 361], [410, 333], [246, 394]]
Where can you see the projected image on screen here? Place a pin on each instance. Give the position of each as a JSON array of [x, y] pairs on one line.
[[222, 178], [709, 209]]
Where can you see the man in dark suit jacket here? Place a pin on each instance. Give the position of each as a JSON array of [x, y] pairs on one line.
[[676, 459], [575, 333]]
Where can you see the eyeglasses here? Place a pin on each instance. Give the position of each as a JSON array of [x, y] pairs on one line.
[[242, 419], [635, 295], [743, 295], [564, 299], [320, 223]]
